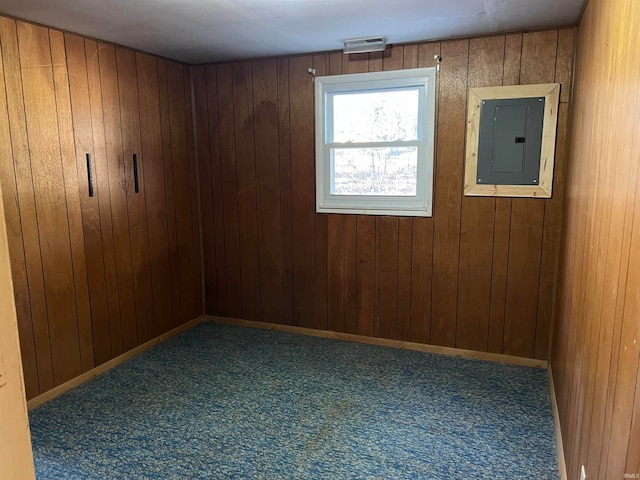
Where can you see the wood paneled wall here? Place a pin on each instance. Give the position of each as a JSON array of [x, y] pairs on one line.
[[95, 276], [478, 275], [596, 342], [16, 457]]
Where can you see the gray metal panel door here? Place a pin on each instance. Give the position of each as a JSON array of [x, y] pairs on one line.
[[510, 141]]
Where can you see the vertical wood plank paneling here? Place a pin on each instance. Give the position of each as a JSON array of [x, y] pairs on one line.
[[72, 194], [136, 202], [26, 199], [595, 347], [478, 214], [624, 147], [192, 164], [48, 181], [502, 218], [351, 268], [154, 190], [187, 253], [554, 206], [83, 137], [365, 275], [247, 196], [167, 164], [265, 108], [286, 210], [335, 258], [205, 164], [107, 338], [229, 189], [320, 65], [600, 396], [215, 180], [126, 336], [16, 246], [302, 190], [448, 192], [321, 273], [441, 280], [538, 64], [387, 260], [422, 241]]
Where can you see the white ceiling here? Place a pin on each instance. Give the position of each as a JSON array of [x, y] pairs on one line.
[[198, 31]]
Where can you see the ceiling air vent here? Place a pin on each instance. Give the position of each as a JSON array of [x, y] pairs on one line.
[[364, 45]]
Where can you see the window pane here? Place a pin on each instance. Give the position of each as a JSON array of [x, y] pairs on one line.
[[374, 171], [376, 116]]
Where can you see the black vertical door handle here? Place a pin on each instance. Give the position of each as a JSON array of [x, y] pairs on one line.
[[135, 173], [89, 175]]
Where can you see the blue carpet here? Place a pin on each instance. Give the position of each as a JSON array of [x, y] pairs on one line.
[[227, 402]]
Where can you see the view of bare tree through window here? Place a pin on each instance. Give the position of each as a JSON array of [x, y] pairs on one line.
[[375, 117]]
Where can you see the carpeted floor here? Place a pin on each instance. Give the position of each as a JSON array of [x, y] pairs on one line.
[[228, 402]]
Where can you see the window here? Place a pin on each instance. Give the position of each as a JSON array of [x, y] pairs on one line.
[[374, 142]]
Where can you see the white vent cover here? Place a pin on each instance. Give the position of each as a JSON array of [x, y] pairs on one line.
[[363, 45]]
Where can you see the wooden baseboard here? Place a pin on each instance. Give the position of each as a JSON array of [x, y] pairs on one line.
[[100, 369], [454, 352], [562, 466]]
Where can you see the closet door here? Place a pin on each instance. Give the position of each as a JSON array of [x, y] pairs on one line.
[[90, 165], [134, 167], [126, 337]]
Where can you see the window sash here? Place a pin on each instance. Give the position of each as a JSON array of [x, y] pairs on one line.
[[409, 205], [330, 114]]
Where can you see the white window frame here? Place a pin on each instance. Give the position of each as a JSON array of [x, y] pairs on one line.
[[418, 205]]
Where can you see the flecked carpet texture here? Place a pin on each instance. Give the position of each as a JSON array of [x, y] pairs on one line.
[[228, 402]]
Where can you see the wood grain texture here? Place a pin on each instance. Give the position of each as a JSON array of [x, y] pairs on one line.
[[123, 335], [335, 258], [205, 163], [154, 191], [538, 63], [229, 189], [247, 193], [26, 201], [72, 193], [107, 337], [302, 190], [83, 138], [16, 246], [50, 201], [486, 69], [320, 65], [216, 189], [448, 192], [194, 198], [167, 164], [136, 202], [286, 211], [442, 280], [188, 253], [595, 347], [422, 241], [15, 443], [83, 266], [265, 107]]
